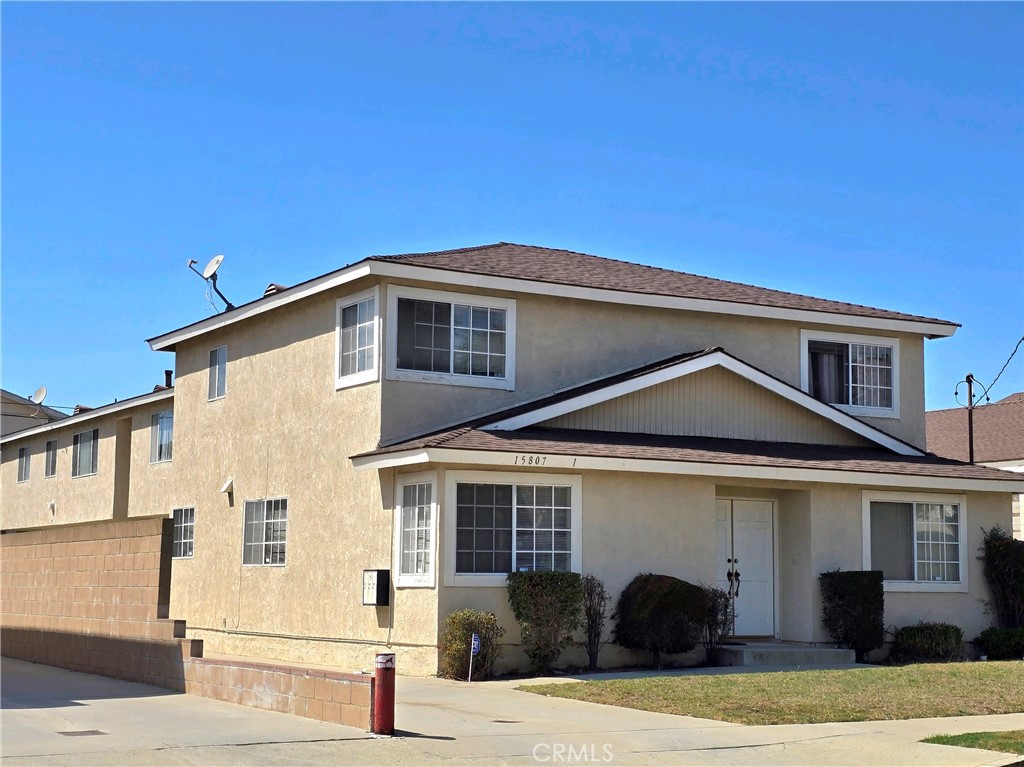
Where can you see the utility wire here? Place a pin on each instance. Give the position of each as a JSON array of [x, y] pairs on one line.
[[1015, 348]]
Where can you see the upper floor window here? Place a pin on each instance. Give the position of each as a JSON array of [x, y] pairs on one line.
[[24, 463], [451, 338], [858, 374], [916, 539], [161, 439], [218, 372], [85, 453], [357, 339], [266, 532], [50, 470]]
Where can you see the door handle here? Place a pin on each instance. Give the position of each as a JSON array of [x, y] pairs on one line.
[[737, 584]]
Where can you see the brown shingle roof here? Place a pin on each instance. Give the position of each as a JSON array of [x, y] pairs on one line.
[[998, 431], [566, 267], [700, 450]]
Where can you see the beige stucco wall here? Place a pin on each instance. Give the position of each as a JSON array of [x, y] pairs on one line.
[[563, 342], [283, 430], [150, 485]]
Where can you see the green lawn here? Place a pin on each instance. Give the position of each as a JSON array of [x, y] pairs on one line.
[[1011, 741], [805, 697]]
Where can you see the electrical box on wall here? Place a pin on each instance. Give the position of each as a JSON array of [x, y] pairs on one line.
[[377, 587]]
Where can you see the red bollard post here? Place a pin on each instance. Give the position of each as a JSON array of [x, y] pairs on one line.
[[383, 719]]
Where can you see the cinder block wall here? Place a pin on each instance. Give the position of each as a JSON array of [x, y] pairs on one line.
[[92, 597]]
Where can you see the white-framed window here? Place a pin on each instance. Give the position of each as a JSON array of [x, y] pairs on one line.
[[497, 522], [161, 440], [50, 470], [85, 453], [452, 338], [24, 463], [415, 526], [357, 324], [183, 540], [917, 540], [218, 386], [858, 374], [266, 532]]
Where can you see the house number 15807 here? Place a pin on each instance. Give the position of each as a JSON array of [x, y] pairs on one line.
[[530, 460]]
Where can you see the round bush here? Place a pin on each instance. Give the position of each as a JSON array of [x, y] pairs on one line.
[[456, 638], [661, 614]]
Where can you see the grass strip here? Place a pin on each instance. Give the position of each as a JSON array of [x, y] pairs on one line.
[[1011, 741], [809, 697]]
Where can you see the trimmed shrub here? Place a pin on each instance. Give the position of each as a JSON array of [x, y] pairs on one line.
[[548, 607], [853, 609], [1002, 558], [661, 614], [1001, 644], [717, 619], [928, 642], [456, 638], [595, 607]]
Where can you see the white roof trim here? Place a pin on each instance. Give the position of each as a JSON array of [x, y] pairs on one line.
[[483, 281], [72, 420], [724, 470], [692, 366]]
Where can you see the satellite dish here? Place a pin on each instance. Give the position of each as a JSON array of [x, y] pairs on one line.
[[212, 267], [39, 396]]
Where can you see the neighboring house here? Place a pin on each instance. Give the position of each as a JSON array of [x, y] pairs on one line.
[[17, 413], [998, 439], [450, 417]]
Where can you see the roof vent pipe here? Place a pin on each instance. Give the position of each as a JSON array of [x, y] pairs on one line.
[[168, 378], [82, 409]]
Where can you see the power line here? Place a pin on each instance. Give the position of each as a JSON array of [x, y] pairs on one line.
[[1015, 348]]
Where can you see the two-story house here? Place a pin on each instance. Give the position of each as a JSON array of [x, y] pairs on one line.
[[450, 417]]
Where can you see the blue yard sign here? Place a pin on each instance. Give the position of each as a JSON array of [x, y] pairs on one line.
[[476, 644]]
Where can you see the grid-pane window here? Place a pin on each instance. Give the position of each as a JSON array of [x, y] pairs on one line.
[[184, 532], [916, 541], [416, 542], [24, 463], [266, 532], [51, 459], [442, 337], [218, 372], [498, 526], [358, 336], [85, 453], [161, 436], [845, 373]]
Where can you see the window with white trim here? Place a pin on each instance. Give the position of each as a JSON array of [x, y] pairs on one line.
[[415, 522], [266, 532], [858, 374], [916, 540], [506, 527], [357, 323], [218, 368], [24, 463], [85, 453], [50, 470], [184, 536], [161, 439], [451, 338]]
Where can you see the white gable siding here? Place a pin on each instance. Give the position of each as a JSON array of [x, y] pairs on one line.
[[709, 403]]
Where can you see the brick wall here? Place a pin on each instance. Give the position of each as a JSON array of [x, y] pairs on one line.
[[93, 597]]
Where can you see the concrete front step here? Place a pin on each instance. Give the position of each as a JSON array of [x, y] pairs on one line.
[[779, 654]]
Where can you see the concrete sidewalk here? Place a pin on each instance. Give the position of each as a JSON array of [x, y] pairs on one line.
[[438, 721]]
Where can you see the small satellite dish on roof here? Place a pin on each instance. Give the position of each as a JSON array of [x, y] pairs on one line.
[[39, 396], [209, 275], [212, 267]]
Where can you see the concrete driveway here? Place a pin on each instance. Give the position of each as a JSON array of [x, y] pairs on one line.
[[121, 723]]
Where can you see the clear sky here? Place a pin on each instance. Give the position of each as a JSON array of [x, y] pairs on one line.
[[871, 153]]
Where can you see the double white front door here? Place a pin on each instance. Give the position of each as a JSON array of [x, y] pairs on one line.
[[744, 550]]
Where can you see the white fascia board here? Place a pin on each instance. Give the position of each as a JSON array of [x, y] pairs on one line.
[[488, 282], [483, 281], [701, 363], [317, 285], [512, 461], [99, 412]]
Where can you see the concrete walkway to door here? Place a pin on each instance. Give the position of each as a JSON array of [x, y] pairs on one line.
[[48, 715]]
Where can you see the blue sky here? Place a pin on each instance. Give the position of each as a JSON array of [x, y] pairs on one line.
[[871, 153]]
